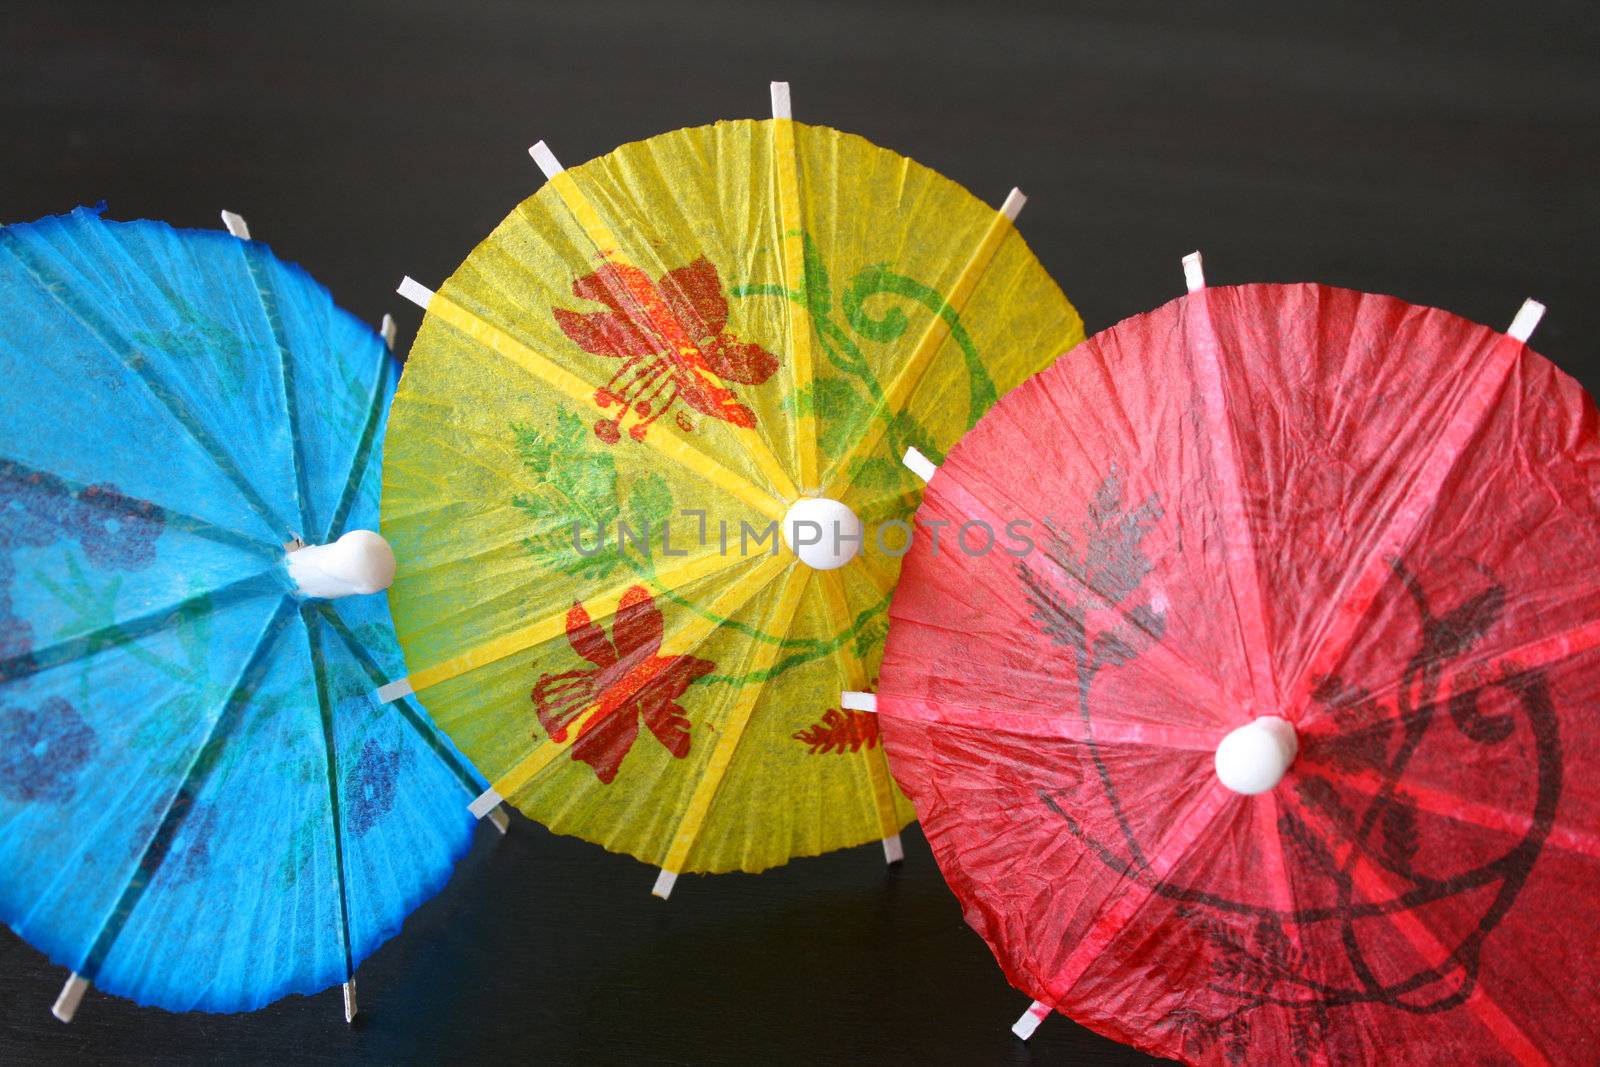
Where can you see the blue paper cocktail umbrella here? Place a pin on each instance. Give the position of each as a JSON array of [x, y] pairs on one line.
[[201, 806]]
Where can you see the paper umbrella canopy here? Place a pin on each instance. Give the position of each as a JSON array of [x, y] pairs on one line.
[[610, 408], [201, 805], [1276, 740]]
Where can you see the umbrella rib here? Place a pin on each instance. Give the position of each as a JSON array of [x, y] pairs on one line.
[[1528, 656], [1041, 727], [548, 628], [1244, 575], [1470, 812], [606, 244], [700, 626], [170, 518], [671, 445], [732, 732], [909, 376], [1337, 628], [1186, 831], [1276, 874], [986, 589], [330, 748], [1370, 879], [67, 650], [856, 678], [1168, 662], [267, 298], [158, 847], [409, 709], [363, 452], [1493, 1017], [884, 584], [107, 336], [797, 314]]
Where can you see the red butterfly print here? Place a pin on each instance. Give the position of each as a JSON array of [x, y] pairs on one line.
[[630, 680], [671, 336]]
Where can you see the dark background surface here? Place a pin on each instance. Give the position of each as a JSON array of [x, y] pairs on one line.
[[1447, 156]]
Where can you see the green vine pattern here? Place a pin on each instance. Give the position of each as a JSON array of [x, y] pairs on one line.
[[843, 404]]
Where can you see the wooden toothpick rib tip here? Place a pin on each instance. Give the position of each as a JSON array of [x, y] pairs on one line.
[[415, 292], [236, 225], [546, 159], [854, 700], [1527, 319]]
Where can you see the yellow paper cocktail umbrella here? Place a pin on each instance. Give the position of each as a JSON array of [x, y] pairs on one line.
[[611, 410]]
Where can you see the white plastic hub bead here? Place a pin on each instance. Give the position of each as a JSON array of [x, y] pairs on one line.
[[360, 562], [1252, 758], [823, 533]]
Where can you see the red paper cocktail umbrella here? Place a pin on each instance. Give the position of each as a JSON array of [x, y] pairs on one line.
[[1360, 541]]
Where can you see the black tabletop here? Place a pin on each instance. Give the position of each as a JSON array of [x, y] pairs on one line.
[[1446, 156]]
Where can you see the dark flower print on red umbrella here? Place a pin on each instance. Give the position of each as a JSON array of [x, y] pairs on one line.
[[630, 680], [671, 336], [1280, 746]]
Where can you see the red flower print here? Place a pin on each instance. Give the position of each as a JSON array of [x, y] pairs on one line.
[[630, 680], [671, 336], [841, 731]]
